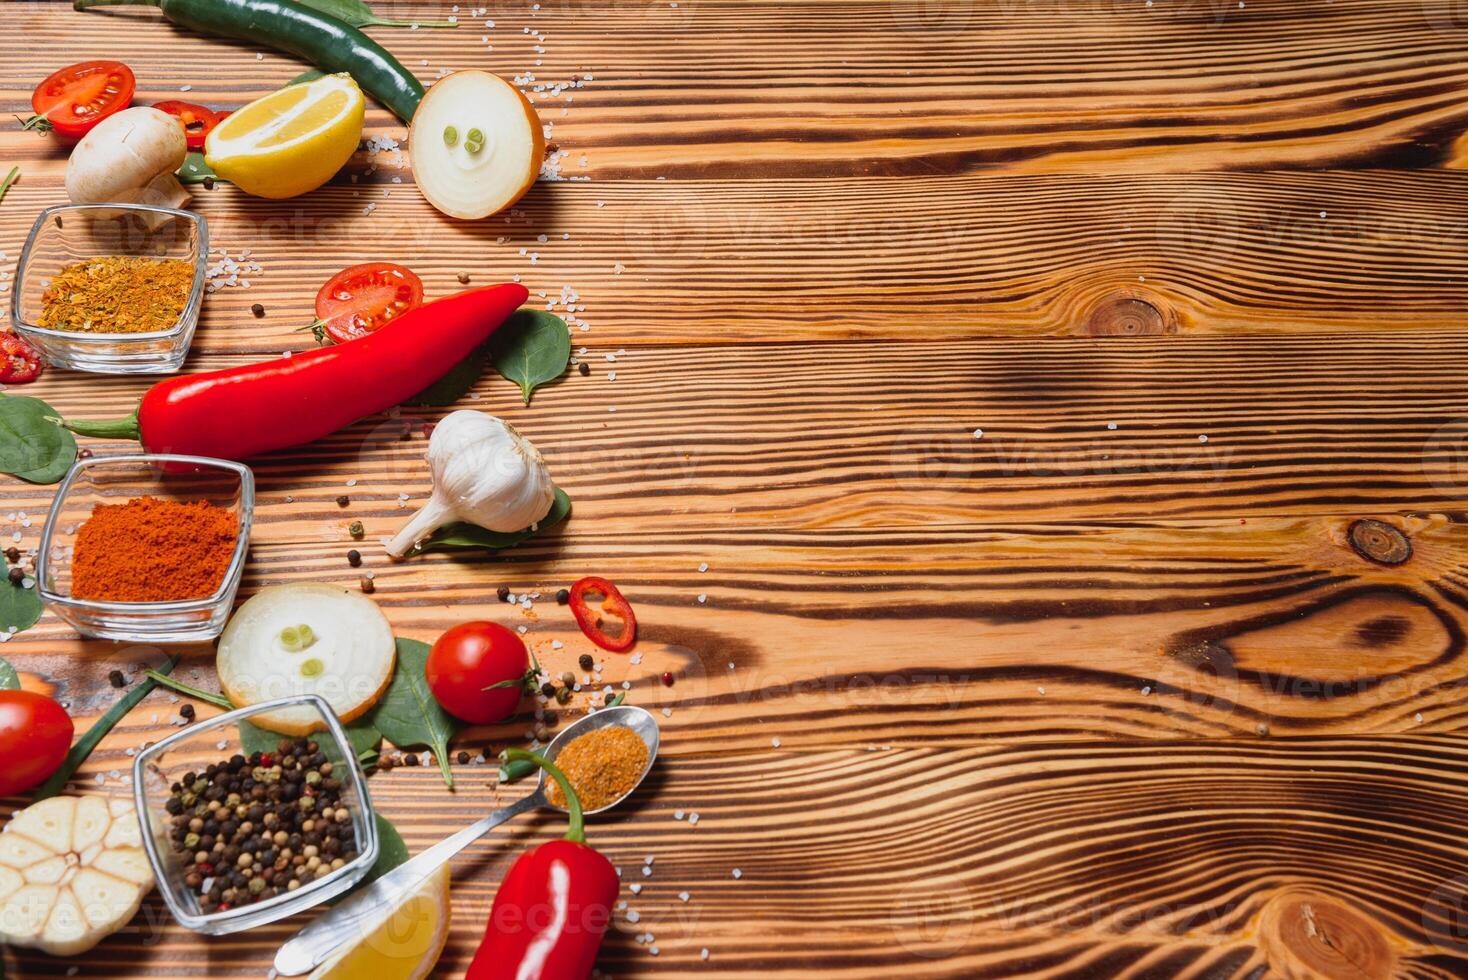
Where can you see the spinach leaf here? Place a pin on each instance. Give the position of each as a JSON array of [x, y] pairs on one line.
[[32, 445], [19, 607], [358, 14], [391, 851], [408, 715], [461, 535], [9, 679], [531, 348], [98, 731], [456, 384], [196, 171]]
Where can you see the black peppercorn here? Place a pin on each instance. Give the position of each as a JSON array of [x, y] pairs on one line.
[[12, 554], [563, 596], [84, 454], [586, 661], [208, 183], [186, 711], [503, 592], [548, 689], [257, 309], [116, 679], [354, 558], [463, 758], [17, 575], [343, 500], [584, 368], [410, 759]]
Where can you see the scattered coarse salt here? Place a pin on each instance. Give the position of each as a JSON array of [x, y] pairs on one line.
[[1111, 425], [635, 888], [646, 871], [684, 896], [738, 874], [703, 597], [978, 433], [1202, 438], [1146, 690], [703, 954], [633, 915], [775, 742], [692, 822], [556, 644], [677, 814], [703, 566], [522, 629]]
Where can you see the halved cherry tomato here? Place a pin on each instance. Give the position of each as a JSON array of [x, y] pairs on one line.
[[19, 361], [78, 97], [197, 120], [591, 619], [364, 298]]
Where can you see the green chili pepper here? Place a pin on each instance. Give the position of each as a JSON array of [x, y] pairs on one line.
[[326, 42]]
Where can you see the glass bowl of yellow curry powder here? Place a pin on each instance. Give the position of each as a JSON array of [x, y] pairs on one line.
[[147, 548], [112, 288]]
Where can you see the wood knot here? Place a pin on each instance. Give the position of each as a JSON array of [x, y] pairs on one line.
[[1309, 935], [1380, 542], [1128, 315]]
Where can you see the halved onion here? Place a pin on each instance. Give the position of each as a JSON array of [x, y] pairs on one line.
[[476, 144], [312, 638]]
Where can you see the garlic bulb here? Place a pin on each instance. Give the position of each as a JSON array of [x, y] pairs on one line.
[[484, 473]]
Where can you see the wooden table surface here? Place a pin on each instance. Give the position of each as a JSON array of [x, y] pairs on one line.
[[1122, 687]]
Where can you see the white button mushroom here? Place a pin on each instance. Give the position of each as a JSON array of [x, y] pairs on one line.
[[130, 158]]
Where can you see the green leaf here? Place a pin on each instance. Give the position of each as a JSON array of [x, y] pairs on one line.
[[408, 716], [196, 171], [32, 445], [456, 384], [98, 731], [531, 348], [358, 14], [461, 535], [9, 181], [304, 77], [19, 607], [391, 850], [9, 679]]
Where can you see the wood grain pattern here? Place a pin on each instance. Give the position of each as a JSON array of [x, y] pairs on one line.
[[1180, 698]]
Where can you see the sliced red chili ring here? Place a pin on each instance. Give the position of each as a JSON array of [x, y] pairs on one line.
[[197, 120], [591, 619], [19, 361]]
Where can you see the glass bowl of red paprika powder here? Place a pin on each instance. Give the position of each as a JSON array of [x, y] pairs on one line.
[[147, 548]]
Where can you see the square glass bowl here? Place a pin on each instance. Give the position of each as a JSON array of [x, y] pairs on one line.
[[72, 233], [116, 480], [159, 766]]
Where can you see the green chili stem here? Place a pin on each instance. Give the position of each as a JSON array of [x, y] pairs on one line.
[[126, 428], [218, 700], [576, 830]]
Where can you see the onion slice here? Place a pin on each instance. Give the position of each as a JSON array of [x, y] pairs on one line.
[[476, 144], [306, 639]]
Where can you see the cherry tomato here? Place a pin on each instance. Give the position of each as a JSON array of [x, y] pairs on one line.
[[592, 620], [197, 120], [76, 98], [363, 298], [19, 361], [478, 671], [35, 735]]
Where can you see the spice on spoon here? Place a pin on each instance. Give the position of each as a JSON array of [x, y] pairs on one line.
[[117, 294], [603, 766]]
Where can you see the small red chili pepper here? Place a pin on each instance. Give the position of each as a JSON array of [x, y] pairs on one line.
[[197, 120], [613, 604], [244, 411], [20, 363], [553, 907]]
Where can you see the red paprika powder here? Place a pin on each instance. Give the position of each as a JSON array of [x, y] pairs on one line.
[[153, 550]]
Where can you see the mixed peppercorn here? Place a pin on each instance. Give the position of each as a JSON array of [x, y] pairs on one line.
[[249, 829]]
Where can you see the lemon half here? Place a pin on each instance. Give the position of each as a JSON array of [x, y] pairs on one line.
[[291, 141], [404, 945]]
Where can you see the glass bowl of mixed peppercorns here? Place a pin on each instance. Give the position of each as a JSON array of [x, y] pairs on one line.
[[244, 827]]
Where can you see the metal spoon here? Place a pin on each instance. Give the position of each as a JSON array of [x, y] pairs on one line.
[[310, 947]]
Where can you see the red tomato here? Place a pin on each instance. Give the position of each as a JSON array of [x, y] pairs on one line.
[[363, 298], [35, 735], [473, 657], [197, 120], [19, 361], [75, 99]]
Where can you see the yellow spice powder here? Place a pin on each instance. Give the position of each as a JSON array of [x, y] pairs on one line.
[[602, 765], [117, 294]]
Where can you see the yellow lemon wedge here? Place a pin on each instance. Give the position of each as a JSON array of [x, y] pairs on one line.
[[404, 945], [291, 141]]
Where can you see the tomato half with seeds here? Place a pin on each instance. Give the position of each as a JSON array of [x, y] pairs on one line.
[[19, 361], [365, 298], [35, 735], [197, 120], [595, 600], [78, 97]]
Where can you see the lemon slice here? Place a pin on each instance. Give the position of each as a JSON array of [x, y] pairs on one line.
[[291, 141], [404, 945]]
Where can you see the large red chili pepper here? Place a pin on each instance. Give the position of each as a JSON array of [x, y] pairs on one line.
[[553, 907], [244, 411], [591, 620]]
